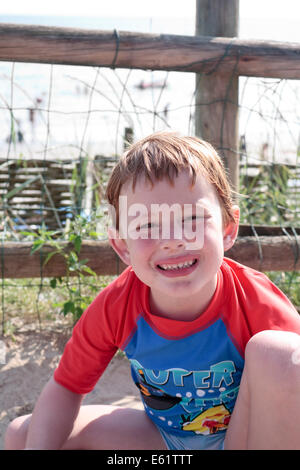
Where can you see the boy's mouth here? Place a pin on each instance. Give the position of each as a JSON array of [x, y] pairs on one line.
[[177, 266]]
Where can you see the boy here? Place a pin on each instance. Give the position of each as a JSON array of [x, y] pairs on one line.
[[213, 345]]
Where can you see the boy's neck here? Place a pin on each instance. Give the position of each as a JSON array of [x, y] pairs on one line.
[[183, 309]]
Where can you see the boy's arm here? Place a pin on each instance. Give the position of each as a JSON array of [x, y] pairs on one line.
[[53, 417]]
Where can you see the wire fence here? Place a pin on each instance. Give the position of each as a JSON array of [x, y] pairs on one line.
[[64, 127]]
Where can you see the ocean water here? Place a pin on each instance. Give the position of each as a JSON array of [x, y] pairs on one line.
[[67, 111]]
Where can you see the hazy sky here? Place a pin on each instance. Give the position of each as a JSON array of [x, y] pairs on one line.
[[260, 19], [269, 9]]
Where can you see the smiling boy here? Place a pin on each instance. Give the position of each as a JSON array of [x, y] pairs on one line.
[[212, 344]]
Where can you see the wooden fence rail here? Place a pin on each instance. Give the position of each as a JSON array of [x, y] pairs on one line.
[[68, 46], [262, 248]]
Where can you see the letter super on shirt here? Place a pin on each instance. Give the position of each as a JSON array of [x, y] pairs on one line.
[[188, 373]]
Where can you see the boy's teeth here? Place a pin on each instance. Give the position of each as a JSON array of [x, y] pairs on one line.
[[177, 266]]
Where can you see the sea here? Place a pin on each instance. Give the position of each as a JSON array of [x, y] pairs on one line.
[[66, 112]]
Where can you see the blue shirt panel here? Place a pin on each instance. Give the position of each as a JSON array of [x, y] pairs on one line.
[[188, 385]]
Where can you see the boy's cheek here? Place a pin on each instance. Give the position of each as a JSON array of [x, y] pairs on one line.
[[139, 245]]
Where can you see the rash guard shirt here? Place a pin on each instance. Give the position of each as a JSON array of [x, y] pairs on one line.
[[188, 373]]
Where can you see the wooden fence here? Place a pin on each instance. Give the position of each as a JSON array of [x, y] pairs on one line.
[[33, 191], [213, 56], [121, 49], [261, 248]]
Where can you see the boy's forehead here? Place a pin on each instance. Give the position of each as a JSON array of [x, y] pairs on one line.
[[175, 202], [180, 188]]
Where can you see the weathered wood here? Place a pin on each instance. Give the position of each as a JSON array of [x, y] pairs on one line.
[[266, 253], [43, 44], [17, 262], [246, 230], [217, 93], [28, 185]]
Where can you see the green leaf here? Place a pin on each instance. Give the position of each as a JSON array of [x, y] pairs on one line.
[[88, 270], [93, 234], [37, 245], [17, 189], [49, 256], [69, 307], [79, 311], [72, 258], [29, 234], [77, 244], [82, 262]]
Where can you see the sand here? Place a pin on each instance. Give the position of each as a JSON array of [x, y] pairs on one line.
[[31, 358]]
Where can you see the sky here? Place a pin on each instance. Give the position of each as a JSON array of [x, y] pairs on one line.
[[108, 8], [259, 19], [269, 9]]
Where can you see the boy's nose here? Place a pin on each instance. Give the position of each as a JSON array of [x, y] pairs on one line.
[[172, 244]]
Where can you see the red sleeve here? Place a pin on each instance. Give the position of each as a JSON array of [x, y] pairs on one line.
[[256, 304], [95, 338]]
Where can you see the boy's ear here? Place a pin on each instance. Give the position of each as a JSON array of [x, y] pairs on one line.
[[119, 245], [231, 230]]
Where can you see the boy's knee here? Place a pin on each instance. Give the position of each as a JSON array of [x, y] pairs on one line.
[[273, 357], [15, 436]]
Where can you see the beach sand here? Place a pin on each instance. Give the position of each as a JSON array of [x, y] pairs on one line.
[[31, 358]]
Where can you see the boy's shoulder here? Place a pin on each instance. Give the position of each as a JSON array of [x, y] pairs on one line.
[[258, 300], [248, 277], [245, 274], [254, 285]]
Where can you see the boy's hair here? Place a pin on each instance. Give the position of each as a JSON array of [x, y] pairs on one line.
[[163, 155]]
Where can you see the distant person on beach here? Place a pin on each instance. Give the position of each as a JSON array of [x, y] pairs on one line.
[[166, 111], [18, 136], [214, 346], [32, 116]]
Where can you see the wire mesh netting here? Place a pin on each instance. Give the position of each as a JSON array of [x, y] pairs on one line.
[[64, 127]]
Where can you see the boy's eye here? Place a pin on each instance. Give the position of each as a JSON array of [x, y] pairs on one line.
[[146, 226], [194, 217]]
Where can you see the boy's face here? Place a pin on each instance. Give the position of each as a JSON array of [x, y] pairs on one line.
[[173, 236]]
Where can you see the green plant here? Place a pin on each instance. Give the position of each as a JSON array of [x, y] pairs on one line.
[[266, 198], [76, 268]]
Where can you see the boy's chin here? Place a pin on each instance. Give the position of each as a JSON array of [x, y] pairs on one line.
[[178, 290]]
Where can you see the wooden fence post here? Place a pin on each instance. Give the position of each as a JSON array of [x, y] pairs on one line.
[[128, 137], [216, 115]]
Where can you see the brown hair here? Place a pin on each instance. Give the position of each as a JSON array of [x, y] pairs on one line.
[[163, 155]]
